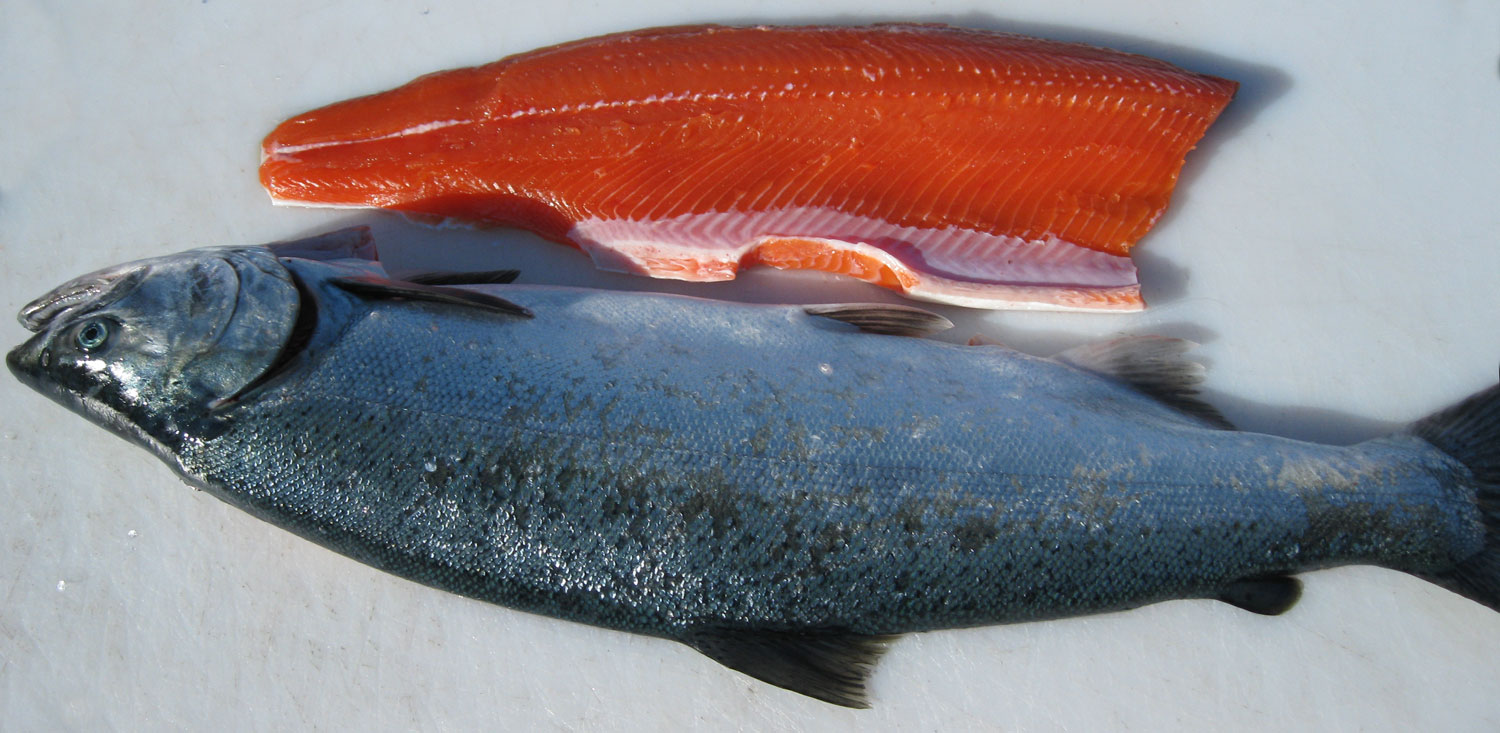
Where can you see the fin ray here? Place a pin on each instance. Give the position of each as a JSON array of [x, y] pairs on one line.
[[895, 320], [484, 277], [350, 242], [1154, 365], [832, 666], [1470, 432], [378, 287]]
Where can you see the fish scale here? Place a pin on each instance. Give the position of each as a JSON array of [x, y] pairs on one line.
[[770, 484]]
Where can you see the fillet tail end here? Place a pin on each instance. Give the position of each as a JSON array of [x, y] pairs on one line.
[[1470, 432]]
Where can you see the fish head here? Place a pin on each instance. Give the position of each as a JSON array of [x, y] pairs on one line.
[[151, 349]]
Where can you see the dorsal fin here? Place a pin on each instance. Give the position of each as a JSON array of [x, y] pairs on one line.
[[895, 320], [485, 277], [832, 666], [351, 242], [1156, 366], [382, 288]]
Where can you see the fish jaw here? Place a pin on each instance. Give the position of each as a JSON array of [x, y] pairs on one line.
[[924, 128], [25, 363]]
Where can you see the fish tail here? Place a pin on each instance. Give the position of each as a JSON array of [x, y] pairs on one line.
[[1470, 432]]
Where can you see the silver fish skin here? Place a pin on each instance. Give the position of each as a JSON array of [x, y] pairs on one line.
[[781, 490]]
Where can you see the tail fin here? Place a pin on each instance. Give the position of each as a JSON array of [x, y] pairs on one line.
[[1470, 432]]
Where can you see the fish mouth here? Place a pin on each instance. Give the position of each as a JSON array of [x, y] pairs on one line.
[[28, 363], [21, 362]]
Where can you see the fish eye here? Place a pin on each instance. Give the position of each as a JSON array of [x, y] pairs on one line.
[[93, 334]]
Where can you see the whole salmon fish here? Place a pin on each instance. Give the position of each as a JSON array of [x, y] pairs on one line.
[[782, 488], [956, 165]]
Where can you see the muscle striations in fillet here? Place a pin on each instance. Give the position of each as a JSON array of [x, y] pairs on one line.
[[958, 166]]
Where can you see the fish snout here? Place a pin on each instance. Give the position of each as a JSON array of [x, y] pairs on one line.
[[27, 361]]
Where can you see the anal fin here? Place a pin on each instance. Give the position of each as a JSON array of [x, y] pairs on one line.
[[831, 666], [1269, 595]]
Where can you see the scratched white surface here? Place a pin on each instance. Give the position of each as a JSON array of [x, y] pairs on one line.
[[1334, 247]]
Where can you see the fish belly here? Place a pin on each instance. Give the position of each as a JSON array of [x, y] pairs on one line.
[[959, 166]]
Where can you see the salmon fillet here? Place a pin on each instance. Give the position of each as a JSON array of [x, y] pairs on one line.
[[959, 166]]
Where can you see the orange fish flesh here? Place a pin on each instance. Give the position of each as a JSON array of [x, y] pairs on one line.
[[959, 166]]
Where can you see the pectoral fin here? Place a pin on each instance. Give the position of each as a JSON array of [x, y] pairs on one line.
[[377, 287], [483, 277], [829, 665]]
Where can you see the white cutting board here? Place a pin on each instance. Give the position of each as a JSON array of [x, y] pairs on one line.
[[1333, 245]]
